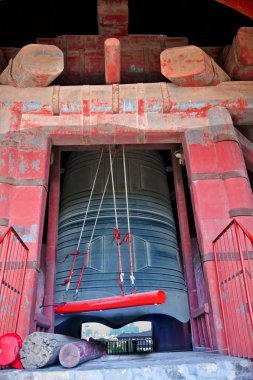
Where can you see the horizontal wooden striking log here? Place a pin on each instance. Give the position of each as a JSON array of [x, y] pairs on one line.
[[118, 302], [76, 353], [34, 66], [42, 349]]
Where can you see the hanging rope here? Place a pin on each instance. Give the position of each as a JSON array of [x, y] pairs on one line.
[[116, 229], [91, 194], [86, 255], [128, 236], [68, 281]]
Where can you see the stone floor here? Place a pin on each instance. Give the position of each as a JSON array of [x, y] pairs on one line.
[[157, 366]]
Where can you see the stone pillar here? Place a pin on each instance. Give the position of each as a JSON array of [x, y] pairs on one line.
[[220, 190], [24, 169]]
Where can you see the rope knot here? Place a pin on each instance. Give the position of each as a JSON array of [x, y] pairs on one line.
[[121, 277], [132, 279]]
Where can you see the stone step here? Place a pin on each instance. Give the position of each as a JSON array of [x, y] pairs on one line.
[[157, 366]]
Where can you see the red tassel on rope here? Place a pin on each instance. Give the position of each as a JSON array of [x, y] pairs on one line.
[[116, 234], [67, 282], [82, 270]]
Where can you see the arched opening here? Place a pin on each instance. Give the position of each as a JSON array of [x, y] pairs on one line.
[[156, 243]]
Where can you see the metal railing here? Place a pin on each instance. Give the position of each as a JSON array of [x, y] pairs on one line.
[[13, 259], [130, 346], [233, 254], [203, 340]]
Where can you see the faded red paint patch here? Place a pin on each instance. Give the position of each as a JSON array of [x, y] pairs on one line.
[[141, 105]]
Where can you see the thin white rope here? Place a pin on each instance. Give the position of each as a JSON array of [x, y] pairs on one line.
[[132, 278], [126, 189], [113, 189], [91, 194], [82, 229], [121, 273], [86, 255], [101, 202]]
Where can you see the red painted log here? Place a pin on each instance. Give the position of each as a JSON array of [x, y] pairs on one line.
[[131, 300], [112, 61], [243, 6], [76, 353], [34, 66], [239, 60], [10, 345], [113, 17], [190, 66]]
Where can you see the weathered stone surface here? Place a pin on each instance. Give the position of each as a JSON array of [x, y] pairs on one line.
[[161, 366]]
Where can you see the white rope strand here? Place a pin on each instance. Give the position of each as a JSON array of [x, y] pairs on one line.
[[86, 256], [126, 190], [91, 194], [101, 202], [121, 273], [113, 189], [132, 278]]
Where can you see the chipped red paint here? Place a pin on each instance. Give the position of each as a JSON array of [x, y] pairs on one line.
[[52, 233], [141, 106], [239, 59], [185, 241], [235, 96], [34, 66], [112, 61], [84, 57], [140, 120], [113, 17], [190, 66], [216, 171], [147, 114]]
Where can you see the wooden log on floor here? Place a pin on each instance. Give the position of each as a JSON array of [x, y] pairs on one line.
[[76, 353], [41, 349]]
